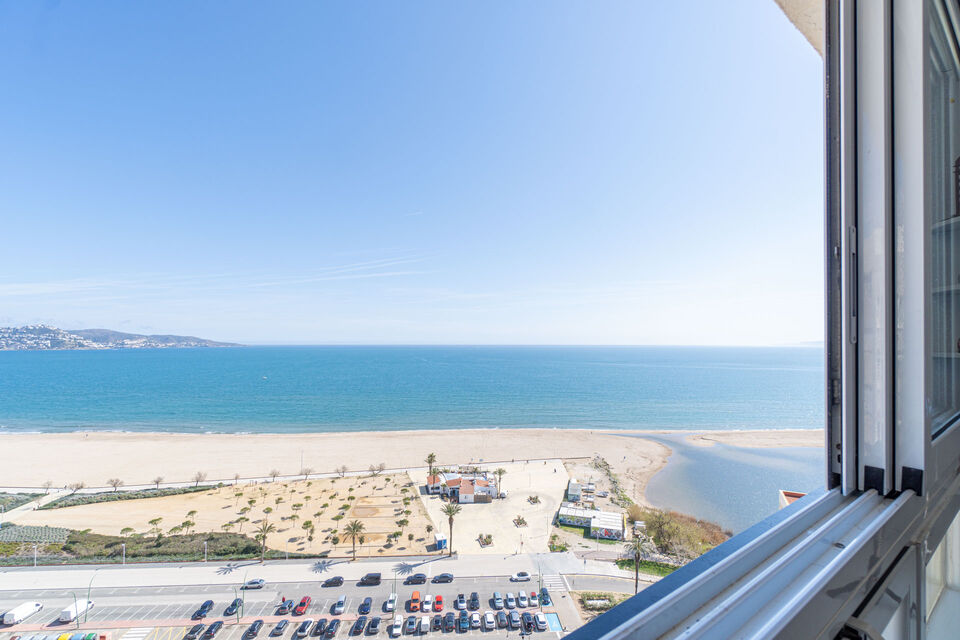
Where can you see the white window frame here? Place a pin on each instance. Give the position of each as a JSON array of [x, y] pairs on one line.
[[854, 557]]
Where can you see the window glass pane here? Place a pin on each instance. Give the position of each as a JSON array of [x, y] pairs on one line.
[[944, 159]]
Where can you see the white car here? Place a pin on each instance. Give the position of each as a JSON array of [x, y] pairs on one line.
[[522, 599], [534, 602], [424, 625], [304, 628], [541, 621], [489, 621], [256, 583], [396, 629], [520, 576], [474, 620], [340, 606], [391, 604], [510, 602], [427, 603]]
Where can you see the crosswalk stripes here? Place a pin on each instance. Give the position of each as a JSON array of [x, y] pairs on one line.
[[555, 582], [137, 633]]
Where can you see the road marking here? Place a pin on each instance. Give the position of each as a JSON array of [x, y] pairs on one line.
[[556, 582], [137, 633]]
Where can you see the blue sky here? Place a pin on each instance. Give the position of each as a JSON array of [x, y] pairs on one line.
[[425, 172]]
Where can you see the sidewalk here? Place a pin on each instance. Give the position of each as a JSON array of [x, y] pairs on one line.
[[30, 506], [233, 573]]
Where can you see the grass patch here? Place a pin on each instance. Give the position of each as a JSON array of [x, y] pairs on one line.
[[649, 567], [33, 533], [13, 500], [113, 496]]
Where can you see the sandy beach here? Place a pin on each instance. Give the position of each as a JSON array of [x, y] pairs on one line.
[[138, 458]]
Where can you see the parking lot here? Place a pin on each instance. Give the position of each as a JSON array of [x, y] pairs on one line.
[[163, 613]]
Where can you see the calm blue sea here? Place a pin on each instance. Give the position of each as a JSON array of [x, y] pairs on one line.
[[301, 389]]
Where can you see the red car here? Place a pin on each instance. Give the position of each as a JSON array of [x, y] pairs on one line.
[[438, 603], [302, 607]]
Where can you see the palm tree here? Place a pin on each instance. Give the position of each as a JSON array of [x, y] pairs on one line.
[[265, 529], [353, 530], [116, 483], [157, 481], [499, 473], [240, 522], [450, 510], [634, 548], [431, 459]]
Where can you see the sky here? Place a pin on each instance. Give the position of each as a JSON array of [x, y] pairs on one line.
[[431, 172]]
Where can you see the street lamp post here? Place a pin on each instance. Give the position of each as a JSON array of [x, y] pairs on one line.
[[204, 550], [34, 555], [89, 588], [123, 550], [77, 618]]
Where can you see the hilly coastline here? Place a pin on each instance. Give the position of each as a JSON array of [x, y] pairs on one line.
[[42, 337]]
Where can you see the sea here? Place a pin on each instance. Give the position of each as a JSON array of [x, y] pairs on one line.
[[300, 389]]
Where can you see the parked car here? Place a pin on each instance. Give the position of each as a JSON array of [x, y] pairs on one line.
[[497, 600], [461, 602], [234, 607], [474, 620], [437, 623], [427, 603], [541, 621], [303, 606], [335, 581], [449, 622], [256, 583], [303, 628], [424, 626], [463, 622], [527, 621], [410, 627], [373, 627], [253, 629], [339, 606], [365, 606], [520, 576], [501, 619], [417, 578], [442, 577], [319, 628], [391, 603], [522, 599], [212, 630], [545, 597], [489, 621], [415, 602], [533, 599], [285, 607], [194, 632], [332, 628], [358, 626], [474, 603], [397, 627], [438, 603], [514, 620], [204, 609], [510, 602], [279, 628], [371, 579]]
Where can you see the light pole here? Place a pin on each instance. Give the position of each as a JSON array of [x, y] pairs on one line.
[[89, 588], [34, 555], [204, 550], [76, 618], [123, 550]]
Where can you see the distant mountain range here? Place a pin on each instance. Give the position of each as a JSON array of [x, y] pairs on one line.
[[39, 337]]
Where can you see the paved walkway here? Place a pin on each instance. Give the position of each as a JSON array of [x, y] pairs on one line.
[[30, 506]]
